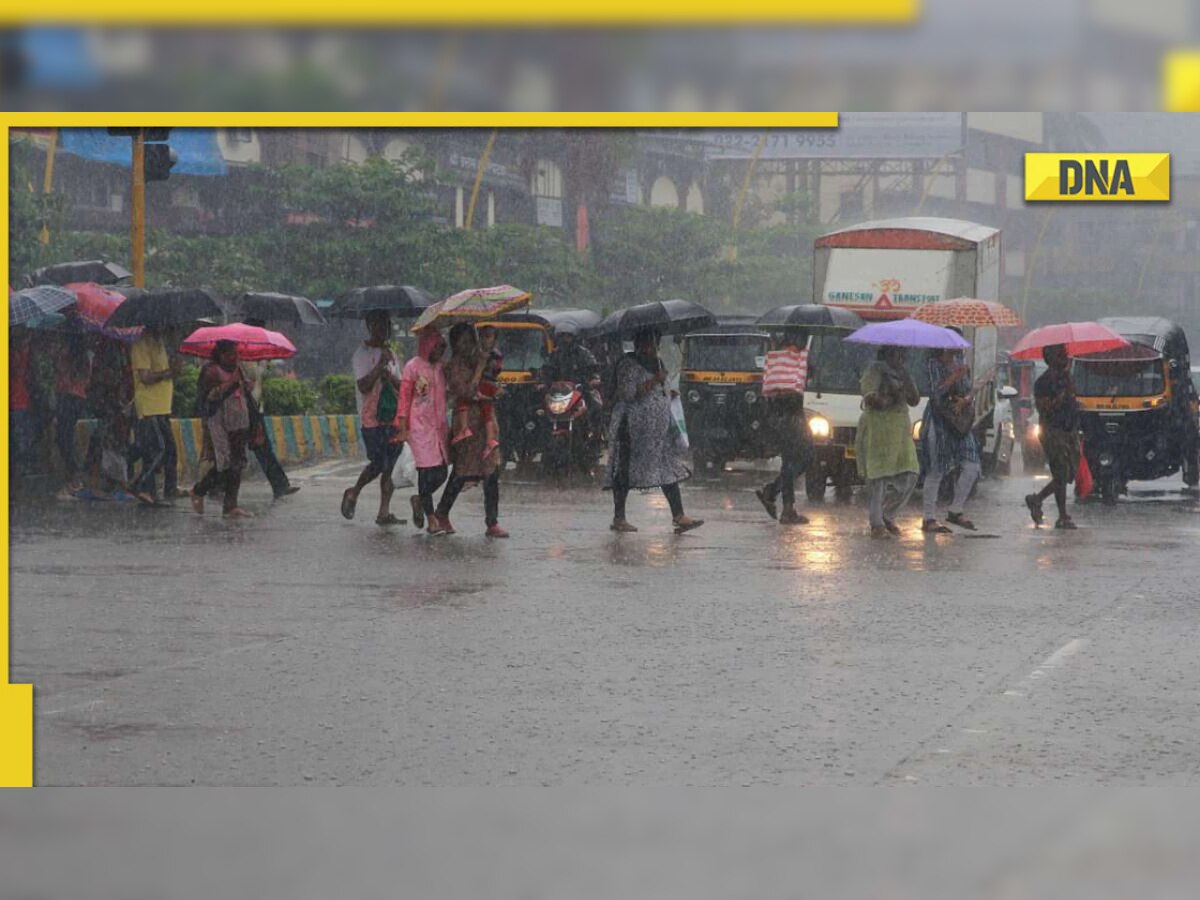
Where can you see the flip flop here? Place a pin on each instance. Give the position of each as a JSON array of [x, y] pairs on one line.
[[960, 520], [691, 525], [389, 519], [933, 526], [349, 502], [622, 527]]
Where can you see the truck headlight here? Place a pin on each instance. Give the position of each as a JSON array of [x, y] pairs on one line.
[[818, 427]]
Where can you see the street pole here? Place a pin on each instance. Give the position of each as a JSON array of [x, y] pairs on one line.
[[483, 161], [48, 179], [137, 230]]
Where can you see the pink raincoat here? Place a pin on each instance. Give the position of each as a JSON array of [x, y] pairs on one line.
[[423, 404]]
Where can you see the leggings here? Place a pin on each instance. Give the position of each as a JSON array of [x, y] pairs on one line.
[[670, 491], [428, 481], [232, 480], [491, 496]]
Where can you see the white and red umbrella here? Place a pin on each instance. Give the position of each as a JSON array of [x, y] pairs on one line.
[[967, 312], [253, 343]]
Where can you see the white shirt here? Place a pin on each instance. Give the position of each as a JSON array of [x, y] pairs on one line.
[[364, 360]]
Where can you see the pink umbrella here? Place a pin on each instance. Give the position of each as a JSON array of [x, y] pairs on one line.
[[94, 304], [253, 343], [1080, 338]]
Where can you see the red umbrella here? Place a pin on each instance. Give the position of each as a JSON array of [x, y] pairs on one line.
[[94, 304], [1080, 339], [253, 343]]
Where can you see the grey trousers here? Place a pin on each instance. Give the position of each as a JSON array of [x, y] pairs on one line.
[[883, 508]]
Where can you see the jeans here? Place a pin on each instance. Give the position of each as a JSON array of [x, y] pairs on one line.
[[882, 512], [429, 480], [670, 491], [491, 496], [155, 445], [70, 410]]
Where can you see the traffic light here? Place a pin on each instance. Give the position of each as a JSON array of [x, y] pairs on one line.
[[159, 158]]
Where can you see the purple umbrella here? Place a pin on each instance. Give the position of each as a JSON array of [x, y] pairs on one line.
[[909, 333]]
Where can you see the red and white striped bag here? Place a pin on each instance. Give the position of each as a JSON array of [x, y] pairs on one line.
[[786, 372]]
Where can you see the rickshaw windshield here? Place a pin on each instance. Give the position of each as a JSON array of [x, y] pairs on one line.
[[523, 348], [835, 366], [1133, 378], [724, 353]]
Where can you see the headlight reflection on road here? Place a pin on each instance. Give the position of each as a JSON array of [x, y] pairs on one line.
[[816, 547]]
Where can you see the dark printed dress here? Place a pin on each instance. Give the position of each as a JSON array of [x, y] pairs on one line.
[[643, 452], [942, 448]]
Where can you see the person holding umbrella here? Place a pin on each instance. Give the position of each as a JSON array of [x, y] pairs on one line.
[[642, 448], [260, 442], [785, 377], [1058, 411], [377, 383], [947, 440], [154, 375], [884, 448], [222, 399]]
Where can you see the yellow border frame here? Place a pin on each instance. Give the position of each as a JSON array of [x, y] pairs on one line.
[[464, 13], [16, 700]]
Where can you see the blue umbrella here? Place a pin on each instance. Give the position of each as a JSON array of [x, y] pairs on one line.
[[36, 303], [909, 333]]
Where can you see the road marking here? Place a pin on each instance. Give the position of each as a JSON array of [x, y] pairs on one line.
[[1055, 660]]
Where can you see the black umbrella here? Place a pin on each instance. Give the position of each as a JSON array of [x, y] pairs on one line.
[[811, 316], [579, 322], [399, 300], [664, 316], [94, 270], [164, 307], [267, 306]]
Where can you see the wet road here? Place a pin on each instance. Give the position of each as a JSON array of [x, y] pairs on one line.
[[298, 648]]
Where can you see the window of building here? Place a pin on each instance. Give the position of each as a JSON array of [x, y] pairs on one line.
[[547, 180], [241, 135]]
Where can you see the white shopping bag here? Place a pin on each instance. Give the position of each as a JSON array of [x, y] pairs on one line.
[[404, 473], [681, 435]]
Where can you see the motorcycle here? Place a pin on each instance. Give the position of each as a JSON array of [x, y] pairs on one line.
[[573, 442]]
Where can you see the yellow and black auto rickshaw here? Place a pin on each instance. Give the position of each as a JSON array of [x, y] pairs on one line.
[[527, 339], [1138, 407], [721, 385]]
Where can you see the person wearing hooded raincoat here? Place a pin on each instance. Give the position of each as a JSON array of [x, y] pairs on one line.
[[423, 423]]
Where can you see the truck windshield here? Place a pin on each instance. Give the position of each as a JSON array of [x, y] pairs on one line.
[[835, 366], [523, 348], [1139, 378], [732, 353]]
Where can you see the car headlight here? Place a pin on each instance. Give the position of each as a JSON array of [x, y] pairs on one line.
[[1009, 431], [916, 429], [751, 397], [694, 396], [1106, 459], [818, 427]]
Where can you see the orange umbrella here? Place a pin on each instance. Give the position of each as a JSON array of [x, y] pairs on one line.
[[967, 312]]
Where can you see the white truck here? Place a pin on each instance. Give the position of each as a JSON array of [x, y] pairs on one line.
[[883, 270]]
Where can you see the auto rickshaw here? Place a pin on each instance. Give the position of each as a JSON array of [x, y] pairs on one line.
[[721, 386], [526, 339], [1138, 407]]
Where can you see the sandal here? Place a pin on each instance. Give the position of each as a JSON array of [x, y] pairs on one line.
[[389, 519], [1067, 524], [349, 502], [878, 532], [685, 524], [892, 527], [465, 435], [491, 448], [622, 526], [418, 514], [238, 513], [960, 520], [791, 517], [435, 528], [933, 526], [146, 499], [198, 504], [767, 502]]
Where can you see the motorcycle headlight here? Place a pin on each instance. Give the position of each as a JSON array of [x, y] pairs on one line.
[[916, 429], [751, 397], [1106, 459], [818, 427], [694, 396]]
